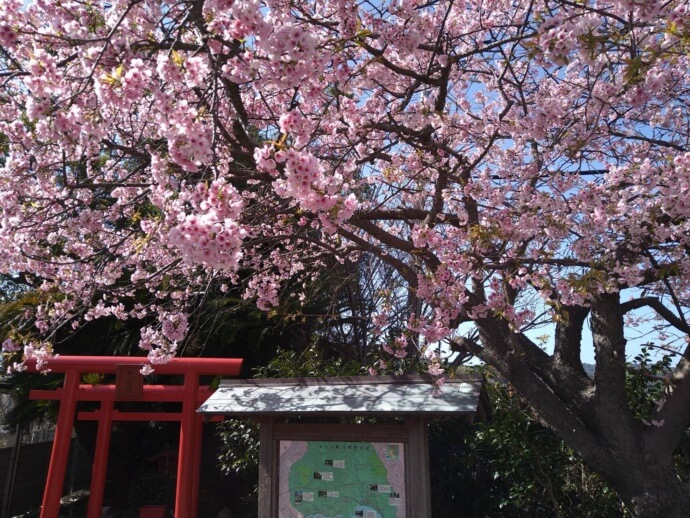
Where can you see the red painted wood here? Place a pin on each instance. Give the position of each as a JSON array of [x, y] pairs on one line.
[[100, 460], [152, 393], [153, 511], [190, 395], [94, 415], [108, 365], [196, 470], [185, 463], [61, 442]]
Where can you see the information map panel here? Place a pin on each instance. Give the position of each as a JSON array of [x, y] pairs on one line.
[[337, 479]]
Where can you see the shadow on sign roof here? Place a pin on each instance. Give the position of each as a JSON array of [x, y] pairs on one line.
[[360, 395]]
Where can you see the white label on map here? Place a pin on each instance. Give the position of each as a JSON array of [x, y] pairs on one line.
[[384, 488], [308, 496], [333, 494], [369, 514], [394, 501], [339, 464], [327, 475]]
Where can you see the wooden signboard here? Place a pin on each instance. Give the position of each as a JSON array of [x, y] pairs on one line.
[[372, 471], [360, 470], [129, 383]]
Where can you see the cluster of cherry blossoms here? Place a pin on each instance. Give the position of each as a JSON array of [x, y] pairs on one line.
[[210, 234], [498, 157]]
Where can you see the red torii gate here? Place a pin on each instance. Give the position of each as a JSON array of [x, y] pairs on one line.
[[191, 395]]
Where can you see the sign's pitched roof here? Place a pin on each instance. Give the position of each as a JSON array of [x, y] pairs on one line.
[[361, 395]]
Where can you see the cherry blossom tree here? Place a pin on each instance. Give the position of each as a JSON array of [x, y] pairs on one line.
[[513, 161]]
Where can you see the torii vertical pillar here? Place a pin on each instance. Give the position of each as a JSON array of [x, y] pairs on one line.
[[61, 447], [100, 460], [185, 461], [197, 465]]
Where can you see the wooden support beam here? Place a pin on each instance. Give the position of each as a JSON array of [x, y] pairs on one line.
[[108, 365], [267, 468], [100, 459], [94, 415], [418, 468], [152, 393], [185, 460], [61, 442]]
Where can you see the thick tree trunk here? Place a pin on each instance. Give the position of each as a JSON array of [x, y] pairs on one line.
[[654, 491], [593, 415]]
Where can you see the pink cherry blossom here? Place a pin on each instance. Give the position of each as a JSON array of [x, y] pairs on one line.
[[511, 164]]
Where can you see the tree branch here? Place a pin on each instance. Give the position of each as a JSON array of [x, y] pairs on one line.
[[658, 306]]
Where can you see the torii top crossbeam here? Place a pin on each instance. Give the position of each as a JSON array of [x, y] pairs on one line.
[[109, 364]]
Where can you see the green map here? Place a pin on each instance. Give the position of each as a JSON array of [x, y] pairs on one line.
[[334, 479]]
